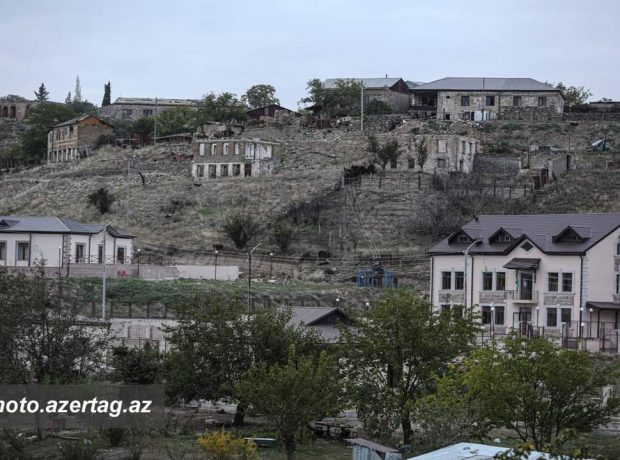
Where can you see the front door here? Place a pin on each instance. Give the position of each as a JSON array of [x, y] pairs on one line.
[[120, 255], [526, 280]]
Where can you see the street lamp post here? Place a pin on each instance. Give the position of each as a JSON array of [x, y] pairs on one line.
[[492, 320], [103, 282], [250, 275], [465, 254], [138, 260], [271, 266], [216, 252], [59, 260]]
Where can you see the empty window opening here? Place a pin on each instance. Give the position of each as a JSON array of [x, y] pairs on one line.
[[223, 170], [236, 170], [212, 171]]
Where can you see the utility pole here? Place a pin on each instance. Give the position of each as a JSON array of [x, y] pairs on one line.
[[250, 276], [345, 223], [215, 274], [362, 108], [103, 283], [128, 199], [155, 125]]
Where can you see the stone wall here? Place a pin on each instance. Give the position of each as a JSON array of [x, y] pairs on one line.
[[15, 107], [590, 116]]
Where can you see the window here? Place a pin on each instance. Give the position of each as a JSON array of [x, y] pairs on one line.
[[100, 254], [567, 282], [462, 238], [2, 250], [486, 314], [236, 170], [465, 101], [236, 149], [393, 163], [442, 146], [212, 171], [79, 252], [224, 170], [225, 152], [446, 116], [489, 101], [542, 101], [487, 281], [516, 101], [202, 150], [445, 308], [618, 249], [441, 163], [565, 315], [127, 114], [200, 170], [213, 149], [553, 282], [446, 281], [499, 315], [120, 255], [147, 112], [617, 276], [552, 317], [411, 163], [527, 246], [500, 281], [23, 251], [459, 281]]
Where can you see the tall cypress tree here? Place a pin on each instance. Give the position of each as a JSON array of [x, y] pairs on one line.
[[77, 97], [107, 94], [42, 94]]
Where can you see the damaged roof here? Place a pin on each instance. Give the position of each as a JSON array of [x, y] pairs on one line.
[[486, 84], [551, 233]]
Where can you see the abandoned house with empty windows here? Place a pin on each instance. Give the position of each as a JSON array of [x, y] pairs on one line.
[[75, 138], [233, 157], [445, 153], [15, 107]]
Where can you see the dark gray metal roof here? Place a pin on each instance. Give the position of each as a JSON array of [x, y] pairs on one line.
[[540, 229], [310, 317], [520, 263], [603, 305], [414, 84], [486, 84], [369, 83], [44, 224]]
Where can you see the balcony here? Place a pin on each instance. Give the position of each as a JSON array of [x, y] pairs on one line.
[[522, 296]]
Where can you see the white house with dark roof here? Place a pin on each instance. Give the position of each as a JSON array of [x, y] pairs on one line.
[[553, 274], [24, 240], [481, 98]]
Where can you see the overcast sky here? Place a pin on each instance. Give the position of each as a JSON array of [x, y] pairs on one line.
[[185, 49]]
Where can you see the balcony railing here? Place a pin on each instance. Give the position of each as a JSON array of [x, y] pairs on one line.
[[520, 296]]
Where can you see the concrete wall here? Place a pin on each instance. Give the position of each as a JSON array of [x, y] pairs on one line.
[[208, 272]]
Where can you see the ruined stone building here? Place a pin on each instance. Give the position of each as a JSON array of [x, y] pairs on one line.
[[478, 99], [393, 91], [133, 108], [15, 107], [233, 157], [545, 163], [75, 138], [445, 153], [270, 113]]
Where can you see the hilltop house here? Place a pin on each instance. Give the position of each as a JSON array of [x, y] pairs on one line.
[[75, 138], [233, 157], [26, 240], [445, 153], [553, 274], [393, 91], [15, 107], [477, 99], [133, 108], [270, 113]]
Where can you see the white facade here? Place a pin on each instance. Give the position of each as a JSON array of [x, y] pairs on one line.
[[559, 294], [23, 245]]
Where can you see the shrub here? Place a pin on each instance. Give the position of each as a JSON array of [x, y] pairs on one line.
[[282, 235], [78, 450], [223, 446], [101, 199], [114, 436], [240, 228]]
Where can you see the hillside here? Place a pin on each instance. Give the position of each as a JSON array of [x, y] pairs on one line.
[[172, 215]]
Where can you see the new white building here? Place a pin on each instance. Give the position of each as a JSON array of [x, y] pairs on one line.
[[554, 274], [26, 240]]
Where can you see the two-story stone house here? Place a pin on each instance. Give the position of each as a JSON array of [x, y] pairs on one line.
[[75, 138], [557, 274], [233, 157], [478, 99]]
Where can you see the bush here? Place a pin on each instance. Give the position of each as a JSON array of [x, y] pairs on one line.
[[282, 235], [377, 107], [101, 199], [114, 436], [240, 228], [223, 446], [78, 450], [12, 445]]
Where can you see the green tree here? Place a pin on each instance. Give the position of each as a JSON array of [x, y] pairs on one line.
[[101, 199], [393, 356], [421, 152], [282, 235], [260, 96], [107, 95], [225, 107], [43, 94], [240, 227], [143, 127], [140, 366], [342, 100], [41, 119], [382, 154], [68, 98], [176, 120], [41, 338], [377, 107], [573, 95], [540, 390], [293, 394], [82, 107]]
